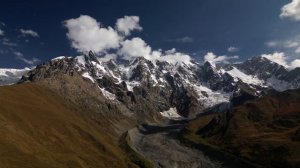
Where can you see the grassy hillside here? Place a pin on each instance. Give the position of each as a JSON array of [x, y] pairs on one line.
[[39, 130], [265, 131]]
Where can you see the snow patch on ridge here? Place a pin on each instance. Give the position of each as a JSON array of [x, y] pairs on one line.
[[80, 63], [59, 58], [249, 79], [132, 84], [211, 98], [108, 95], [88, 76], [171, 114]]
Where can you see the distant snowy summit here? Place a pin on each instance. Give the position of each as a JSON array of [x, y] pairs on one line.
[[11, 76]]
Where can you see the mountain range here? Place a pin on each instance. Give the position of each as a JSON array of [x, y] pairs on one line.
[[188, 87], [96, 102]]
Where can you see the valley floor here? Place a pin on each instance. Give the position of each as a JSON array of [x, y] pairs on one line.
[[161, 145]]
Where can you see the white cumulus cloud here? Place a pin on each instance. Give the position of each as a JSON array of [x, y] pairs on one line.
[[135, 47], [291, 10], [29, 32], [174, 57], [85, 34], [127, 24], [212, 58]]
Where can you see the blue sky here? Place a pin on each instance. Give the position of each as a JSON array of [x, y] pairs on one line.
[[34, 31]]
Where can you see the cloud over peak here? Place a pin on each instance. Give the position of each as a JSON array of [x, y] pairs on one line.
[[291, 10], [135, 47], [174, 57], [86, 33], [278, 57], [282, 59], [295, 64], [214, 59]]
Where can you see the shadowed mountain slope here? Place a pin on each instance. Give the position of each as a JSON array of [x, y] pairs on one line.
[[264, 131]]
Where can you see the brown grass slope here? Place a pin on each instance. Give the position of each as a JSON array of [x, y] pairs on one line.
[[38, 129], [265, 131]]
